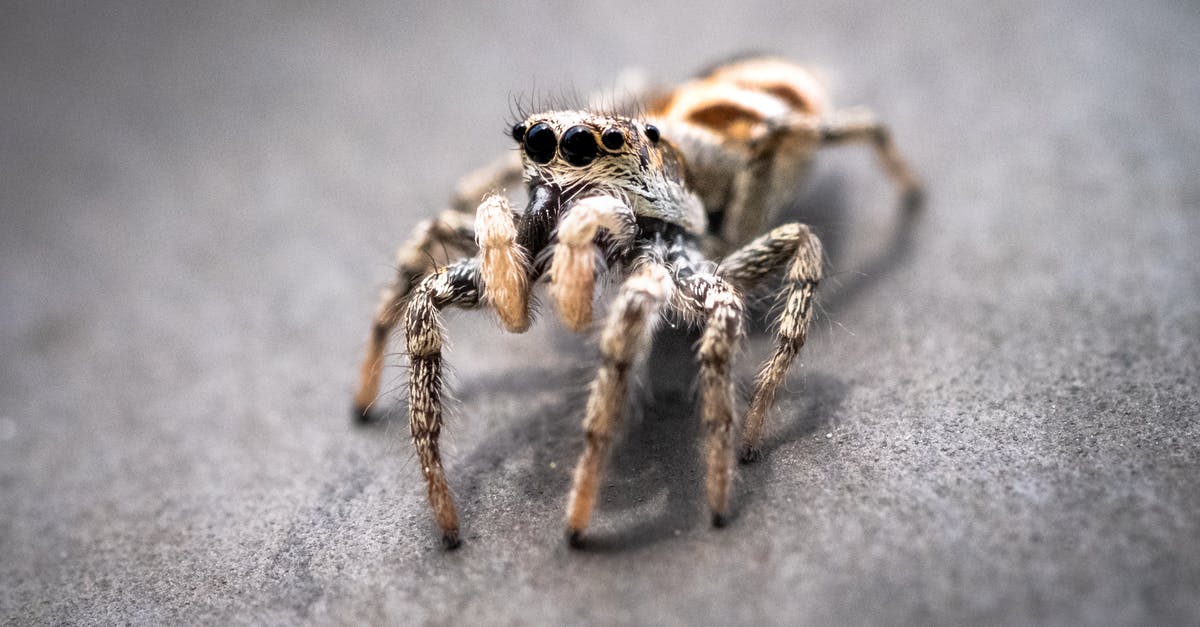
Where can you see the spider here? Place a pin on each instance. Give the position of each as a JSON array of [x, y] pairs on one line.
[[671, 200]]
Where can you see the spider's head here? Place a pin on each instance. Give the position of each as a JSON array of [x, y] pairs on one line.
[[580, 149]]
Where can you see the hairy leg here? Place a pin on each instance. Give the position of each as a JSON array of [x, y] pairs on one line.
[[626, 338], [791, 139], [499, 174], [794, 245], [778, 157], [720, 307], [862, 126], [450, 233], [573, 266], [456, 285]]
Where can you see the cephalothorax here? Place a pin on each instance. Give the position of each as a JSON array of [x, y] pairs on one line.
[[673, 200]]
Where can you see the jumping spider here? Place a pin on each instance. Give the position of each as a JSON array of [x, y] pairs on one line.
[[655, 196]]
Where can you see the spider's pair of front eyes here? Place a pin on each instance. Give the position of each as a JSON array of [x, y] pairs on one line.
[[578, 146]]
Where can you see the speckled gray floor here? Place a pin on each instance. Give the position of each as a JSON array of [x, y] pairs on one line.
[[996, 421]]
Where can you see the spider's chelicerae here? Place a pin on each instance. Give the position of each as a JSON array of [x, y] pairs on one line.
[[673, 200]]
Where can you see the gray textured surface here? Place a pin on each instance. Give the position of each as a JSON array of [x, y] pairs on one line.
[[996, 420]]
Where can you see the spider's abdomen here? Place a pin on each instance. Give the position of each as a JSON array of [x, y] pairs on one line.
[[721, 123], [733, 99]]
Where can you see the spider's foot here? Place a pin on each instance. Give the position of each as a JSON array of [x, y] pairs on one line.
[[913, 199], [719, 520], [575, 538], [450, 540], [363, 414], [750, 454]]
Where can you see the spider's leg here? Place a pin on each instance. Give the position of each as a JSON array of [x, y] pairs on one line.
[[862, 126], [573, 266], [499, 174], [797, 247], [455, 285], [624, 341], [720, 307], [777, 156], [451, 233], [781, 148]]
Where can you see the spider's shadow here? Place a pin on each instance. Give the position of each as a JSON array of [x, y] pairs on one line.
[[660, 460], [656, 464], [653, 486]]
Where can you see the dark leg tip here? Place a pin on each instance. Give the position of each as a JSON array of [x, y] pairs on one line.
[[362, 415], [575, 538], [719, 520], [450, 540], [914, 199], [750, 454]]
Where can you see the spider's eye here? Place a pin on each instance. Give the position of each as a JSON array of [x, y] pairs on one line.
[[613, 139], [540, 143], [652, 133], [579, 146], [518, 132]]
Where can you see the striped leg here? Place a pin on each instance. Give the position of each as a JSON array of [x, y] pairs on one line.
[[626, 338], [456, 285], [451, 232], [757, 196], [796, 246], [861, 126], [721, 309]]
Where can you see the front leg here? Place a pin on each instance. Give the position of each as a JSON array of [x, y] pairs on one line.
[[457, 285]]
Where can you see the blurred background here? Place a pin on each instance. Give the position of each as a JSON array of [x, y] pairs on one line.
[[995, 420]]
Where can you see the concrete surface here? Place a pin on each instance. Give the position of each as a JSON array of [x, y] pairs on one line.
[[996, 421]]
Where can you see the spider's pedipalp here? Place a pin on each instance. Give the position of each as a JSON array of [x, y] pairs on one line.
[[504, 264], [573, 264]]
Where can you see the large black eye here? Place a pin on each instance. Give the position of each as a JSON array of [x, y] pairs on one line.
[[652, 133], [579, 146], [518, 132], [613, 139], [540, 143]]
